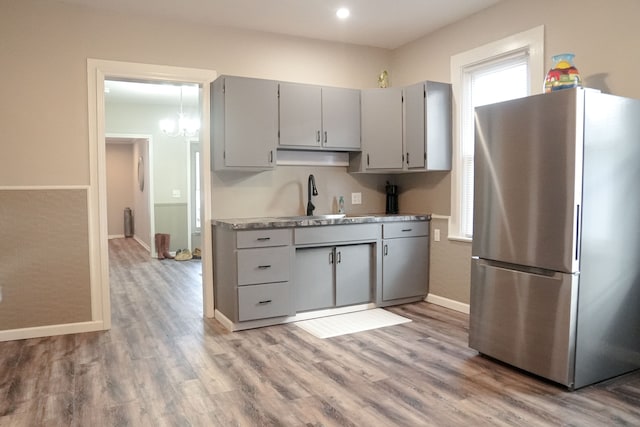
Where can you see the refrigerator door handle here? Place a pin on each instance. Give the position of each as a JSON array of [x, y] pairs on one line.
[[577, 242], [537, 271]]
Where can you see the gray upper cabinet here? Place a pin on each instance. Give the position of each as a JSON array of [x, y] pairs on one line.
[[244, 123], [405, 129], [414, 126], [341, 118], [319, 118], [300, 115], [381, 130], [427, 126]]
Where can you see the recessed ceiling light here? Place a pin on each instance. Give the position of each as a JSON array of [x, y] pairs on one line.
[[343, 13]]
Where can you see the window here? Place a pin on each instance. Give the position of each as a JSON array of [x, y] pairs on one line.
[[506, 69]]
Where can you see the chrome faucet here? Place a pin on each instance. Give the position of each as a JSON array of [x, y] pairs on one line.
[[311, 190]]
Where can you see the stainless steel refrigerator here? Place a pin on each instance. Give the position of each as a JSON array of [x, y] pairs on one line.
[[555, 275]]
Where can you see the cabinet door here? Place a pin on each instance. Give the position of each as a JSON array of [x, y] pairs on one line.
[[414, 126], [314, 278], [300, 115], [353, 274], [405, 267], [382, 128], [438, 126], [341, 118], [250, 122]]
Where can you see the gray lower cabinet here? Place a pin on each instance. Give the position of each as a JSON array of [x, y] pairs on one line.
[[264, 301], [405, 260], [333, 276], [252, 273]]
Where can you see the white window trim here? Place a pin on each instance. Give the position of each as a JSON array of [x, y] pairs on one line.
[[531, 40]]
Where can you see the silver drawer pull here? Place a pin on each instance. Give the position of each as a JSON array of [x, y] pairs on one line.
[[264, 267], [404, 230], [263, 239], [268, 301]]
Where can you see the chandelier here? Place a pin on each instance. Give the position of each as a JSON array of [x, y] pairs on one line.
[[183, 125]]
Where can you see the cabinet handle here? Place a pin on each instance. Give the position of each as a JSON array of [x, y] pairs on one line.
[[318, 136], [385, 251], [339, 257], [263, 239], [264, 267], [407, 159], [405, 230], [367, 159], [331, 257], [271, 156], [267, 301], [325, 136]]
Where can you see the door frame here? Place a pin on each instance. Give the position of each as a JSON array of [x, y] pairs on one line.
[[97, 71]]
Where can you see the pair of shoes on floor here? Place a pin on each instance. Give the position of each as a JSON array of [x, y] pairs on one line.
[[183, 255], [197, 254]]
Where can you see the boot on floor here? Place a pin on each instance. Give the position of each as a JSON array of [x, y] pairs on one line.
[[166, 239], [159, 245]]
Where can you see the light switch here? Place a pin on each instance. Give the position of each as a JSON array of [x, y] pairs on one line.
[[176, 194], [436, 235], [356, 198]]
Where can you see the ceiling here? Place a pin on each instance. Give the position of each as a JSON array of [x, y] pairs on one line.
[[379, 23]]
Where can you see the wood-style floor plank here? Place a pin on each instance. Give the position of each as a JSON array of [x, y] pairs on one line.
[[163, 364]]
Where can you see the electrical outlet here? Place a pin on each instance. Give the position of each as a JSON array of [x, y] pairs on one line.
[[436, 235], [356, 198], [176, 194]]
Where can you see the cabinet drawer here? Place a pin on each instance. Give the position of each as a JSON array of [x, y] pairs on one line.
[[263, 238], [405, 229], [264, 301], [264, 265], [336, 233]]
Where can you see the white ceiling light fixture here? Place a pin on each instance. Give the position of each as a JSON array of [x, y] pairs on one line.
[[343, 13], [183, 126]]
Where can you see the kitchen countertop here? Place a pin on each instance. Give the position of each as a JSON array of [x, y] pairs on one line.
[[312, 221]]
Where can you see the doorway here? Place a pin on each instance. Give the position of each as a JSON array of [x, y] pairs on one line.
[[99, 71]]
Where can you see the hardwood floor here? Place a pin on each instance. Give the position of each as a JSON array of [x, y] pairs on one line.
[[163, 364]]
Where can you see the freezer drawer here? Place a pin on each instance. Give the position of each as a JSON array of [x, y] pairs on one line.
[[523, 319]]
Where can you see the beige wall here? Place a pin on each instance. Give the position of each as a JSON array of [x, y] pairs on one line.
[[45, 46], [44, 258], [44, 115], [142, 215], [119, 185], [283, 191], [604, 37], [44, 112]]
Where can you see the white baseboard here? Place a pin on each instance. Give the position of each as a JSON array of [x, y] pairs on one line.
[[143, 244], [448, 303], [51, 330], [116, 236]]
